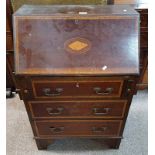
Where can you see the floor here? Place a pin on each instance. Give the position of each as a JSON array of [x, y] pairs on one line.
[[20, 138]]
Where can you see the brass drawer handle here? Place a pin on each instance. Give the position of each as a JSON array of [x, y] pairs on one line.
[[101, 111], [56, 111], [57, 92], [99, 129], [99, 91], [57, 129]]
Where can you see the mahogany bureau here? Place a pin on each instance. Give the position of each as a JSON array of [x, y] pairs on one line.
[[77, 69]]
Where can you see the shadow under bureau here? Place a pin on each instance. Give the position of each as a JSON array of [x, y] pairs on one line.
[[77, 68]]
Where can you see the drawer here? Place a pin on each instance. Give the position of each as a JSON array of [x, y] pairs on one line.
[[77, 88], [78, 128], [78, 109]]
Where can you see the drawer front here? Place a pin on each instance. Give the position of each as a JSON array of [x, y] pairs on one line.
[[78, 109], [78, 128], [71, 89]]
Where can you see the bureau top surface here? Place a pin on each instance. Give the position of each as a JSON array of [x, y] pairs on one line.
[[74, 10], [76, 40]]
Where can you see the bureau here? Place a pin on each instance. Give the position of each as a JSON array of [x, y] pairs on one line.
[[77, 68]]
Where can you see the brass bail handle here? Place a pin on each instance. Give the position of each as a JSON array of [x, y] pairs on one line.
[[99, 91], [56, 92]]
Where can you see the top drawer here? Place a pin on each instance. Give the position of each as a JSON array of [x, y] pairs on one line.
[[95, 88]]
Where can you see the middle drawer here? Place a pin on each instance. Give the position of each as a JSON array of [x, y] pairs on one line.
[[78, 109]]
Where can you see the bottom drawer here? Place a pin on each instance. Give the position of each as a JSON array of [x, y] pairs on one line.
[[78, 127]]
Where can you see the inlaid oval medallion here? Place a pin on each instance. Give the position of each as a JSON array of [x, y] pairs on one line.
[[77, 45]]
